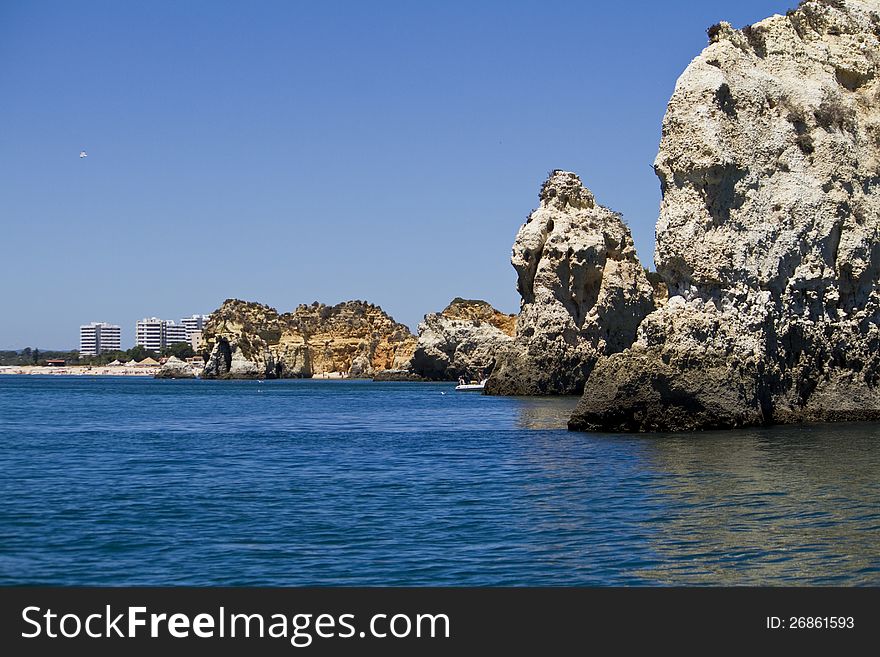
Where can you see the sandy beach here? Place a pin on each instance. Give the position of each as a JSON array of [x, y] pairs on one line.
[[84, 370]]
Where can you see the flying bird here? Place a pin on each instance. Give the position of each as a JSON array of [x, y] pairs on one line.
[[83, 154]]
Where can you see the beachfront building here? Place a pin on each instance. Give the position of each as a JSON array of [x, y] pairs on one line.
[[194, 325], [175, 333], [149, 333], [155, 334], [98, 337]]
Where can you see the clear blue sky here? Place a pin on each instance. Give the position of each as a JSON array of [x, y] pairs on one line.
[[287, 152]]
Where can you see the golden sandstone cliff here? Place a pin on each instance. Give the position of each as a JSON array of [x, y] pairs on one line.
[[355, 338], [245, 340]]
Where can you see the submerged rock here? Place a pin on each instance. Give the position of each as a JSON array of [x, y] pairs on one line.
[[767, 238], [250, 340], [462, 340], [583, 292]]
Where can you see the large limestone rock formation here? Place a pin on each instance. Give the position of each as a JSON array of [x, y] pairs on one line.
[[237, 340], [353, 337], [250, 340], [583, 292], [462, 340], [768, 235]]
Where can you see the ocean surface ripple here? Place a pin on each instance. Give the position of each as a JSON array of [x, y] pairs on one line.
[[112, 481]]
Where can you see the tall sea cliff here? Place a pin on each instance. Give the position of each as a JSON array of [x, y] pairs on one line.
[[767, 239]]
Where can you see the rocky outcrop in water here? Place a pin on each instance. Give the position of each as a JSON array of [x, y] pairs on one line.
[[250, 340], [767, 239], [174, 368], [236, 340], [583, 292], [461, 341], [406, 375]]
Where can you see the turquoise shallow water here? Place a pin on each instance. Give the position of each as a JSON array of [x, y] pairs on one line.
[[119, 481]]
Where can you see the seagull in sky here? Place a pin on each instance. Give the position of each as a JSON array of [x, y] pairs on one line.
[[83, 154]]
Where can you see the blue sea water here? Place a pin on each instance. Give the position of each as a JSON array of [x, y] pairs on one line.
[[118, 481]]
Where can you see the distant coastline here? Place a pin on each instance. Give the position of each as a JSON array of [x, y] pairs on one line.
[[93, 370], [78, 370]]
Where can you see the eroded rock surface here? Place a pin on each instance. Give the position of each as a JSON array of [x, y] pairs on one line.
[[583, 292], [250, 340], [767, 239], [461, 341]]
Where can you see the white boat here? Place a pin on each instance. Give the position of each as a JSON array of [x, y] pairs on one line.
[[468, 387]]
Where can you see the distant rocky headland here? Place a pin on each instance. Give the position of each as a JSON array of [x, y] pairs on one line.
[[764, 307], [251, 340], [354, 339]]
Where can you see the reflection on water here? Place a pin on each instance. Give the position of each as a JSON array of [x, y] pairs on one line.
[[791, 505], [767, 506], [544, 412]]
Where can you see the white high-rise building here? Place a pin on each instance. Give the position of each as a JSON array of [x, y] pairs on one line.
[[98, 337], [194, 326], [149, 333], [155, 334], [175, 333], [194, 323]]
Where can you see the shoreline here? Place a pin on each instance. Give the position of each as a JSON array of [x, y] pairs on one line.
[[102, 370], [78, 370]]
